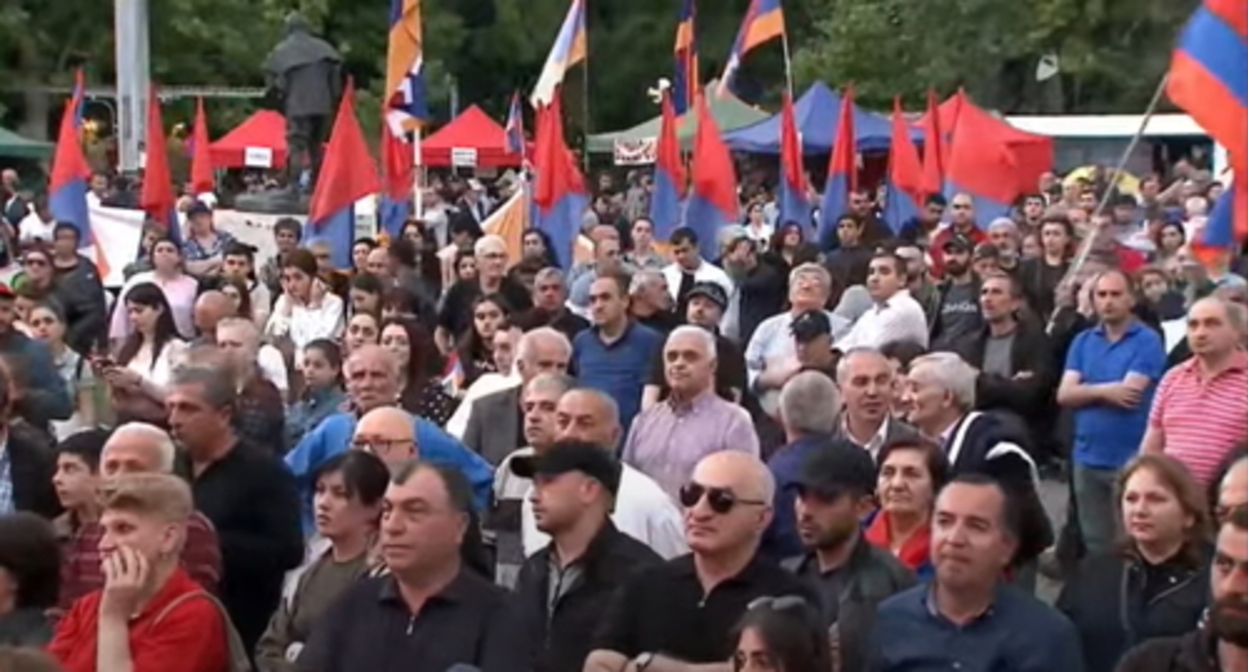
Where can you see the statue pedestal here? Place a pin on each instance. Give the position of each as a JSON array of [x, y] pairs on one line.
[[273, 202]]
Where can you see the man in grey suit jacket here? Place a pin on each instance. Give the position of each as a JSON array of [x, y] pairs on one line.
[[495, 425], [866, 380]]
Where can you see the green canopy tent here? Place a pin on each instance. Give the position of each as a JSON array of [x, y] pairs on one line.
[[729, 112], [15, 146]]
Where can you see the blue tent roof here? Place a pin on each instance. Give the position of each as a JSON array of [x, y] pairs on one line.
[[817, 112]]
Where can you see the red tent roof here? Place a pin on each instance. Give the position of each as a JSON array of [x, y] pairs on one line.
[[265, 129], [987, 155], [473, 129]]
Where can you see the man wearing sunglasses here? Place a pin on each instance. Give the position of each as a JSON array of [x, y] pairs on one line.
[[677, 617]]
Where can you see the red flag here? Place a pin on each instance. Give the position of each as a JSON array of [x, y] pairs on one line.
[[347, 175], [669, 174], [203, 181], [842, 169], [794, 205], [904, 169], [933, 181], [157, 198]]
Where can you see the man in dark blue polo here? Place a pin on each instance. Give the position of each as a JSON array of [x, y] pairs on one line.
[[968, 618], [614, 354], [1112, 370]]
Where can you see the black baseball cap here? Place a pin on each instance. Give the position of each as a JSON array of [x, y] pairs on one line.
[[810, 325], [568, 456], [958, 242], [198, 208], [836, 465], [711, 291]]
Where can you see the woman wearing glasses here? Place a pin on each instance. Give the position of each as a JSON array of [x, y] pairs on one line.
[[781, 634]]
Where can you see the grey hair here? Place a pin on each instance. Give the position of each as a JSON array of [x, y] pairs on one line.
[[812, 269], [530, 339], [165, 450], [548, 273], [559, 383], [842, 367], [218, 385], [949, 372], [1236, 314], [487, 244], [613, 409], [706, 337], [643, 279], [246, 326], [810, 404]]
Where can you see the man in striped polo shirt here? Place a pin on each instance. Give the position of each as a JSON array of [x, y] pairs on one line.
[[1201, 409]]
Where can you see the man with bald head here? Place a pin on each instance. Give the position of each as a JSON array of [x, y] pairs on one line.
[[1233, 490], [680, 615], [1200, 411], [210, 308], [372, 382], [389, 433], [133, 448], [642, 509]]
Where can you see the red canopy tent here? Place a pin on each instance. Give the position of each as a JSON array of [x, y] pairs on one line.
[[475, 130], [264, 131], [989, 157]]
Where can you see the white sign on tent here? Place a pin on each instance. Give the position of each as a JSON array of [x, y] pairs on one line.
[[258, 157], [464, 157]]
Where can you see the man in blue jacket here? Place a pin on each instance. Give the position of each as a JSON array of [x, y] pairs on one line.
[[371, 378]]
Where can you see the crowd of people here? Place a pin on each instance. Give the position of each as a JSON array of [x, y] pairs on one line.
[[809, 454]]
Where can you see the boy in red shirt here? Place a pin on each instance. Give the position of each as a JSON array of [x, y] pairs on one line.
[[150, 616]]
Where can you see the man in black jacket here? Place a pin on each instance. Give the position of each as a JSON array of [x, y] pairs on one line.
[[1220, 643], [563, 589], [26, 463], [80, 291]]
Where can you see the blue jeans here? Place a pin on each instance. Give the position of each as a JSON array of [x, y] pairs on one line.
[[1098, 507]]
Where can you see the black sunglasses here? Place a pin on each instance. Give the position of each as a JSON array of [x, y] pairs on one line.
[[721, 500]]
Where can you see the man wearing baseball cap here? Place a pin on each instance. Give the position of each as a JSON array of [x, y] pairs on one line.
[[957, 318], [812, 336], [834, 493], [707, 302], [564, 589]]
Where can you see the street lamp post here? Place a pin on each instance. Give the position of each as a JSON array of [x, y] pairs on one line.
[[130, 30]]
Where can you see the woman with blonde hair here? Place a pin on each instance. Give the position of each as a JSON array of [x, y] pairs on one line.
[[1155, 584]]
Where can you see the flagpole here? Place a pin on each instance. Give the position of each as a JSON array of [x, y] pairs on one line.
[[585, 106], [788, 64], [1085, 248], [418, 196]]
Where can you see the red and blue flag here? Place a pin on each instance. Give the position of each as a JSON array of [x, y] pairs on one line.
[[669, 174], [157, 197], [67, 190], [842, 173], [685, 82], [559, 194], [764, 21], [514, 127], [347, 175], [713, 203], [904, 192], [794, 204], [394, 207]]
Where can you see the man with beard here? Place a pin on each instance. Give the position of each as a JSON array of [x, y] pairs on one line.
[[834, 492], [1220, 644], [957, 316]]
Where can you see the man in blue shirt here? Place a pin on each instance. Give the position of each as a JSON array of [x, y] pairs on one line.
[[968, 618], [372, 383], [615, 354], [1112, 370]]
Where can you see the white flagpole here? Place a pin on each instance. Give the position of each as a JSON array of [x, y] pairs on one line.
[[418, 196]]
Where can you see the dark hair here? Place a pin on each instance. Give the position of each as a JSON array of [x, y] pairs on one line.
[[684, 234], [425, 361], [162, 238], [899, 264], [331, 351], [368, 283], [240, 249], [782, 232], [402, 299], [794, 634], [1010, 516], [244, 293], [403, 251], [936, 199], [364, 475], [471, 345], [934, 457], [27, 660], [66, 226], [551, 257], [1177, 226], [289, 225], [366, 241], [217, 385], [904, 352], [86, 445], [458, 489], [148, 295], [460, 256], [30, 553], [303, 260]]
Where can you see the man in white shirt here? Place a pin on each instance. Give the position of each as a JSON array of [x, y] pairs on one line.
[[689, 268], [896, 316], [642, 509]]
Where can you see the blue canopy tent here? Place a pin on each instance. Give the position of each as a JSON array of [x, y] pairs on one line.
[[816, 113]]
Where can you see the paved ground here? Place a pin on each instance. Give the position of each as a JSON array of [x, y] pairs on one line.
[[1055, 496]]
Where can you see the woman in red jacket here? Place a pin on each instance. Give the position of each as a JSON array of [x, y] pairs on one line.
[[150, 616]]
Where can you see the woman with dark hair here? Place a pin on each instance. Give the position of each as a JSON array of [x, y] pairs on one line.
[[37, 271], [465, 266], [781, 634], [476, 349], [1156, 583], [789, 249], [427, 265], [1170, 240], [419, 365], [402, 257], [365, 294], [47, 325], [347, 507], [167, 274], [322, 393], [30, 574], [911, 472], [308, 308], [237, 292], [143, 365], [359, 254]]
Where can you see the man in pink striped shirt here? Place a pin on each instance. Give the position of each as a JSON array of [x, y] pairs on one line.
[[1200, 411]]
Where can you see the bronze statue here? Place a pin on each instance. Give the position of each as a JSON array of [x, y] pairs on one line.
[[304, 73]]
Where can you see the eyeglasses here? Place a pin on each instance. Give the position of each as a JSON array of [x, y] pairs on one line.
[[721, 500], [782, 603], [379, 447]]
